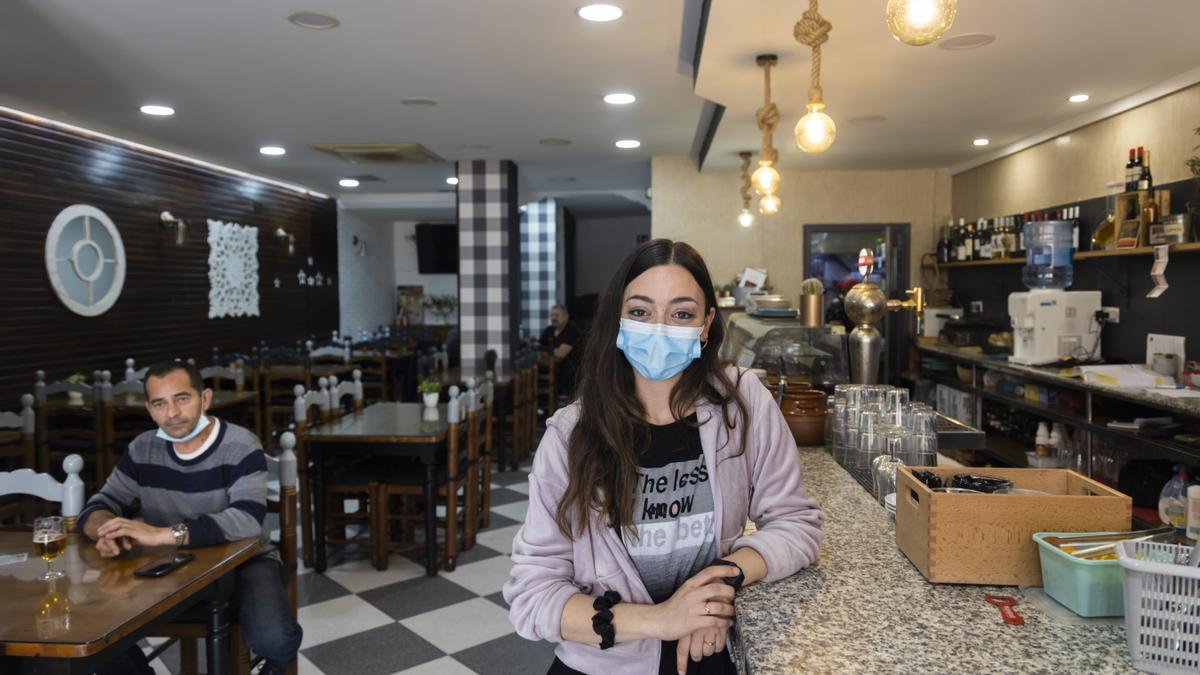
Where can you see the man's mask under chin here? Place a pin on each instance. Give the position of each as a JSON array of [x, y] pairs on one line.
[[199, 428]]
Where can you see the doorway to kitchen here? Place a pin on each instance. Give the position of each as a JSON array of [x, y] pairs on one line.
[[831, 255]]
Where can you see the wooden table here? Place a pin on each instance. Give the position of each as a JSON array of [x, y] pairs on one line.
[[390, 429], [99, 609]]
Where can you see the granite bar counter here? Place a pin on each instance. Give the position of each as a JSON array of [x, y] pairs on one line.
[[864, 608]]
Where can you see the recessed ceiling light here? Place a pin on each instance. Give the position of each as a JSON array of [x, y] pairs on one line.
[[555, 141], [452, 180], [981, 141], [273, 150], [158, 110], [620, 99], [600, 13], [314, 21], [1078, 98], [966, 41], [629, 144], [419, 102], [867, 119], [348, 182]]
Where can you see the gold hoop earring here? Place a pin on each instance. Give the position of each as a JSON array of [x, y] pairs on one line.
[[703, 343]]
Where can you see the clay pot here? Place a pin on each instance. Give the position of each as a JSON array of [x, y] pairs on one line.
[[805, 414], [793, 386]]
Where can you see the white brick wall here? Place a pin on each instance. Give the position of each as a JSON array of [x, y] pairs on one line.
[[367, 287]]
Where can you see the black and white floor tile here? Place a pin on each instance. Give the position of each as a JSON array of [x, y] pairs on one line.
[[361, 621]]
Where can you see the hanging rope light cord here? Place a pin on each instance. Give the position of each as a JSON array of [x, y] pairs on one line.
[[812, 30], [747, 188], [768, 115], [815, 131]]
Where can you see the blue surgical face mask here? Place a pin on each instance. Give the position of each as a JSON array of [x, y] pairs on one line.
[[658, 351], [200, 426]]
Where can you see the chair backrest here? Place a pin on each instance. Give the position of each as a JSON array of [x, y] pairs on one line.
[[340, 390], [306, 401], [283, 472], [24, 421], [132, 372], [218, 374], [109, 391], [284, 356], [44, 486], [43, 392], [334, 353]]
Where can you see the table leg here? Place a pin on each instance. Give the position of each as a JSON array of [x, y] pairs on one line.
[[318, 487], [430, 525], [216, 639]]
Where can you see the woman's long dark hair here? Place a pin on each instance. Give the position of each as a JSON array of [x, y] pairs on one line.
[[612, 431]]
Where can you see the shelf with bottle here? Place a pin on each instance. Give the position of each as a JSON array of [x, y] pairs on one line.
[[1189, 247]]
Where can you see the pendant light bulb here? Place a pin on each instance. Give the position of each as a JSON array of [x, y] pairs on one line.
[[770, 204], [745, 218], [815, 131], [919, 22], [765, 179]]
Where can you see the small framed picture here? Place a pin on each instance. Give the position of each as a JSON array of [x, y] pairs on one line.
[[1129, 233]]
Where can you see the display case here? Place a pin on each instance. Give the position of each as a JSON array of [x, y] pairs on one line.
[[802, 352]]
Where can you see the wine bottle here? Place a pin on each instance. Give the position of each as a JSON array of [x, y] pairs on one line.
[[1129, 179], [962, 240], [1145, 182], [943, 249]]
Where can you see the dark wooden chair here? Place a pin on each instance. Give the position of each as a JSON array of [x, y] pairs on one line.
[[308, 409], [399, 490], [122, 416], [546, 393], [349, 478], [69, 422], [372, 363], [282, 370], [282, 480]]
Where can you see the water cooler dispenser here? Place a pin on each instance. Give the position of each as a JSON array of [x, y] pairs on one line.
[[1049, 322]]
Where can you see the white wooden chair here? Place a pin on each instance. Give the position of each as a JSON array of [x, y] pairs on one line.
[[132, 372], [306, 402], [69, 421], [44, 486], [339, 390], [17, 432]]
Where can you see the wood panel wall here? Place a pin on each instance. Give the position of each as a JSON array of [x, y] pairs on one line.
[[163, 309]]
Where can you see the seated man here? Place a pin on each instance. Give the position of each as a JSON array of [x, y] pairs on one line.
[[561, 338], [196, 481]]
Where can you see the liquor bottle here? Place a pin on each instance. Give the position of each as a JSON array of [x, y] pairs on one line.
[[1073, 216], [1145, 181], [962, 241], [1021, 220], [1130, 181], [1137, 166], [972, 244], [943, 248]]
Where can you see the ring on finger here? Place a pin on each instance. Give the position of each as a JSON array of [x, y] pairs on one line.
[[709, 644], [707, 609]]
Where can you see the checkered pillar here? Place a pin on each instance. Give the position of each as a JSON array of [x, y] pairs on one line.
[[488, 262], [538, 263]]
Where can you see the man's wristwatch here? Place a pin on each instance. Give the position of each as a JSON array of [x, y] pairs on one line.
[[737, 581], [179, 531]]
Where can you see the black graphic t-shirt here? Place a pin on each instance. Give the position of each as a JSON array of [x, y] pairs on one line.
[[673, 510]]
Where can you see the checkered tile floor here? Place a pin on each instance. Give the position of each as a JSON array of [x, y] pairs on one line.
[[361, 621]]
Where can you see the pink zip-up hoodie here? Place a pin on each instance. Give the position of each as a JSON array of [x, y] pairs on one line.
[[762, 484]]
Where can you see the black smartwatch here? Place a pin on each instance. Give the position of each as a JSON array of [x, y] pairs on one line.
[[737, 581]]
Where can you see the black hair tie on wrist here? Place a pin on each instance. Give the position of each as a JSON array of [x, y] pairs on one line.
[[602, 619]]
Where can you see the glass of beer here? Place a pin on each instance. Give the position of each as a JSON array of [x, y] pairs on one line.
[[49, 542]]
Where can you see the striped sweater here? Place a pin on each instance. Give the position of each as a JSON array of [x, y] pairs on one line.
[[221, 495]]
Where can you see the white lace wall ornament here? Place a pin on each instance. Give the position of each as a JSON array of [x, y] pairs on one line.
[[232, 270]]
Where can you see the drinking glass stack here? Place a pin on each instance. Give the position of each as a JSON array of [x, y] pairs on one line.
[[872, 429]]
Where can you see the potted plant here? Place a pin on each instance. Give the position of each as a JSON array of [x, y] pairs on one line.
[[429, 392], [811, 294], [76, 397]]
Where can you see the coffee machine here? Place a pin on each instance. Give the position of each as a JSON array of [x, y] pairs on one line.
[[1050, 323]]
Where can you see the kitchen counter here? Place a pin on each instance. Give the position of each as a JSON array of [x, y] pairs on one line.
[[864, 608], [1181, 406]]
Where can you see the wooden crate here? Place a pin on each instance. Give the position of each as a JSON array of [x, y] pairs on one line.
[[988, 539]]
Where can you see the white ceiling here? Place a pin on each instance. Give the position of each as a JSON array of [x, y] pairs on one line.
[[504, 73], [936, 101], [507, 73]]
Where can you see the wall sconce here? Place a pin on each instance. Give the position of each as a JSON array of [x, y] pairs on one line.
[[169, 221], [360, 245], [291, 241]]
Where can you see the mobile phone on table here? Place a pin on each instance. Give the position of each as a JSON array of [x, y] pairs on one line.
[[164, 565]]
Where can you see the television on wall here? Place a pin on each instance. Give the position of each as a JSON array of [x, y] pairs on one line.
[[437, 248]]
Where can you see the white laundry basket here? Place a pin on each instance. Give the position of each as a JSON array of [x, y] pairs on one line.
[[1162, 606]]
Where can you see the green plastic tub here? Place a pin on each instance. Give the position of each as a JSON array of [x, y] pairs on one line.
[[1089, 588]]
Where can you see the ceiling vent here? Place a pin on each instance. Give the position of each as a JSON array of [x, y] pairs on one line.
[[381, 153]]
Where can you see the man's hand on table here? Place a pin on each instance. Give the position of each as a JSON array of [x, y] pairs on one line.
[[118, 534]]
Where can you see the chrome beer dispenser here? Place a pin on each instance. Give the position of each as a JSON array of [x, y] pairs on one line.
[[865, 305]]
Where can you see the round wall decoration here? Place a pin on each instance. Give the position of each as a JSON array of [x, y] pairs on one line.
[[85, 260]]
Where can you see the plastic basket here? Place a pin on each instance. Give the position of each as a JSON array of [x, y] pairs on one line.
[[1087, 587], [1162, 606]]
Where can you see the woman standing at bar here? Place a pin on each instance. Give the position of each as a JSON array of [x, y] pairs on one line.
[[633, 544]]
